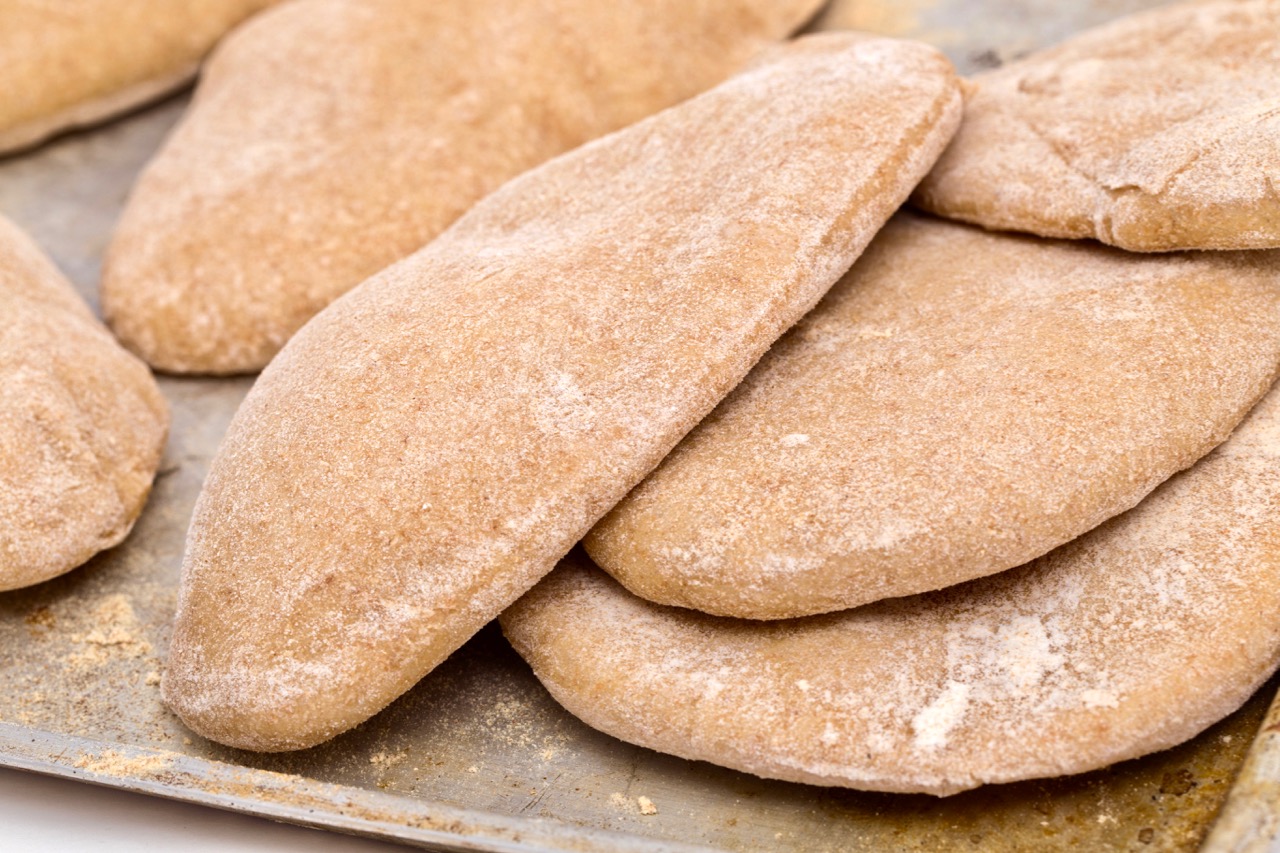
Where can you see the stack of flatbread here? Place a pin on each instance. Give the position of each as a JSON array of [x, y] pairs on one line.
[[893, 500], [961, 469]]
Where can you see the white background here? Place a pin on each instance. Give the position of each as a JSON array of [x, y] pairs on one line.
[[39, 814]]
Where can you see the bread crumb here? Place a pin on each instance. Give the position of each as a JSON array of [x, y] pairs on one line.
[[385, 760], [646, 806], [152, 679], [115, 632], [40, 620], [112, 763]]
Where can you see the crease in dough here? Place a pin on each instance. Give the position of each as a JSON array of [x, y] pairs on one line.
[[1157, 132]]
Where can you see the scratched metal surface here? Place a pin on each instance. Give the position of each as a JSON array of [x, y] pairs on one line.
[[478, 757], [1250, 820]]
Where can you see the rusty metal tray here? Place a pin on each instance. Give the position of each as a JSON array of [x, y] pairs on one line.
[[479, 757]]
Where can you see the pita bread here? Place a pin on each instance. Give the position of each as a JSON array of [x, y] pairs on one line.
[[331, 138], [70, 65], [426, 449], [1131, 639], [82, 423], [1159, 131], [960, 403]]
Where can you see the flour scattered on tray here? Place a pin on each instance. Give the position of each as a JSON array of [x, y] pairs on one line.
[[112, 763], [385, 760], [114, 632]]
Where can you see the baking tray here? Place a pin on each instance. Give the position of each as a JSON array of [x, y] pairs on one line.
[[479, 757]]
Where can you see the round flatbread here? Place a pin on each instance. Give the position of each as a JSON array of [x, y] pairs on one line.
[[82, 423], [960, 403], [1129, 640], [1159, 131]]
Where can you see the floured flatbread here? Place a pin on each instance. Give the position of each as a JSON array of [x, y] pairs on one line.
[[426, 449], [82, 423], [73, 64], [1159, 131], [330, 138], [961, 403], [1129, 640]]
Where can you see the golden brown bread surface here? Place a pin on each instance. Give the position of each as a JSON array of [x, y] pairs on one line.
[[1159, 131], [82, 423], [1128, 640], [330, 138], [69, 65], [959, 404], [428, 447]]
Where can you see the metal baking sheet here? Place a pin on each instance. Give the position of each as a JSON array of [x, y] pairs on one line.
[[478, 757], [1250, 820]]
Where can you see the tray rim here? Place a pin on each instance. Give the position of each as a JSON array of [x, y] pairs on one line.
[[308, 802]]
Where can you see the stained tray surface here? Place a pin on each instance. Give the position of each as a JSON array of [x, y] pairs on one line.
[[478, 757]]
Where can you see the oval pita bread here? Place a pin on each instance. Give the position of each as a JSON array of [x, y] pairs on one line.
[[1159, 131], [428, 447], [71, 65], [1131, 639], [330, 138], [960, 403], [82, 423]]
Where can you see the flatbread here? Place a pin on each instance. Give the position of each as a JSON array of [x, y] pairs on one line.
[[82, 423], [1131, 639], [331, 138], [960, 403], [71, 65], [1159, 131], [426, 449]]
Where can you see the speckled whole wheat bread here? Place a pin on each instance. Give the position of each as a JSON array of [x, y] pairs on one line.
[[1156, 132], [74, 64], [331, 138], [959, 404], [427, 448], [82, 423], [1129, 640]]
